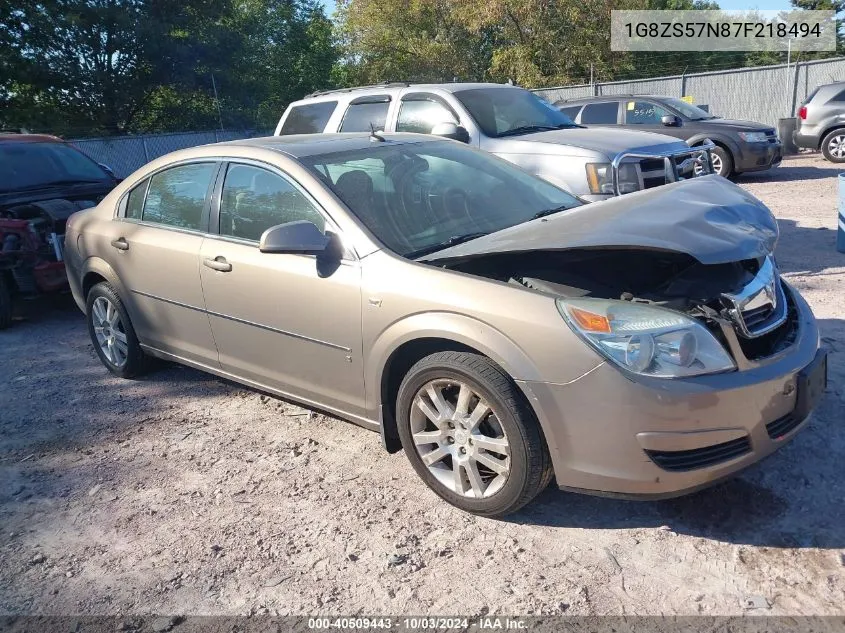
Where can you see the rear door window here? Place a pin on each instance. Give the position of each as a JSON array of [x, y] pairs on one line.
[[366, 115], [177, 196], [600, 113], [309, 118]]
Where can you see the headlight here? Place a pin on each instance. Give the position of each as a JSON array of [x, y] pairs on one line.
[[600, 178], [754, 137], [645, 339]]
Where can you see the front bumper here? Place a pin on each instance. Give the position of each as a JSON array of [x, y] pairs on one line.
[[758, 156], [609, 432]]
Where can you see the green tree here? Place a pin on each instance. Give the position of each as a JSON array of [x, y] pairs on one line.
[[115, 66]]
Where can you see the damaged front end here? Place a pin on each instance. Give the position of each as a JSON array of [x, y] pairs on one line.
[[32, 241], [682, 282], [744, 305]]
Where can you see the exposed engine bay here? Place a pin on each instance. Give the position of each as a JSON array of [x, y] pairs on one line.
[[31, 242], [716, 294]]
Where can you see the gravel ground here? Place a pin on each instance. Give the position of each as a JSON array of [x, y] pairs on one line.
[[182, 493]]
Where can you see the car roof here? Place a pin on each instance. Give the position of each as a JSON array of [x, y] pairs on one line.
[[608, 98], [28, 138], [393, 87], [301, 145]]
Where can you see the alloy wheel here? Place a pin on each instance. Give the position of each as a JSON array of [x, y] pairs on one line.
[[109, 330], [459, 438], [836, 146], [715, 161]]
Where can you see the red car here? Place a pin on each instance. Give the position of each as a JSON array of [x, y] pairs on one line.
[[43, 180]]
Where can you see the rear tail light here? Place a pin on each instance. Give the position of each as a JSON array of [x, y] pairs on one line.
[[802, 113]]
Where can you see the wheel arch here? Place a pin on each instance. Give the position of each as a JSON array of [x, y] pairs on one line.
[[828, 130], [416, 337], [718, 141], [96, 270]]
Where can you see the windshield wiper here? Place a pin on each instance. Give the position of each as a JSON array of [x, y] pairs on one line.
[[452, 241], [545, 212], [524, 129]]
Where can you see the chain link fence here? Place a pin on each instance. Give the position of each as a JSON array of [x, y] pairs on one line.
[[764, 93], [125, 154]]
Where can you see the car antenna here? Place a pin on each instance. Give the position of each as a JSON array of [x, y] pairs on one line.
[[375, 136]]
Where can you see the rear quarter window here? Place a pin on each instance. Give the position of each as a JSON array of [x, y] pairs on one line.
[[309, 118]]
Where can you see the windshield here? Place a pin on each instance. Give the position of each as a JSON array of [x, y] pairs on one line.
[[32, 165], [687, 110], [509, 111], [417, 198]]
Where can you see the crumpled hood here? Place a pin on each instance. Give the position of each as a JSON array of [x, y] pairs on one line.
[[609, 141], [709, 218]]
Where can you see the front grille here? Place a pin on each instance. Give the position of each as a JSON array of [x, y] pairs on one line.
[[653, 171], [756, 318], [679, 461], [782, 426], [775, 341], [771, 136]]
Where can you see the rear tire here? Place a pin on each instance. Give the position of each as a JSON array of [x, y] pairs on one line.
[[833, 146], [475, 442], [112, 333], [5, 302]]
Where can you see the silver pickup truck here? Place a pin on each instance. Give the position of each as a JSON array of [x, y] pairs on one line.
[[509, 122]]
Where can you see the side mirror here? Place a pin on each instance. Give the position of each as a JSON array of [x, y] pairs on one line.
[[301, 238], [670, 120], [107, 169], [452, 131]]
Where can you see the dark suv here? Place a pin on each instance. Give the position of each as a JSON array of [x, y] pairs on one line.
[[740, 145], [821, 122], [43, 180]]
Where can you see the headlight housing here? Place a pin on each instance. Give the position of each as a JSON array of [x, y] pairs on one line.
[[754, 137], [646, 339], [600, 178]]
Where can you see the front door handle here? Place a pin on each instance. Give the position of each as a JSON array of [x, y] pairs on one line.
[[218, 263], [120, 244]]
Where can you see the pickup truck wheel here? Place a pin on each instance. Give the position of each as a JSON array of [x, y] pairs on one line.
[[5, 303], [723, 163], [112, 333], [470, 435], [833, 146]]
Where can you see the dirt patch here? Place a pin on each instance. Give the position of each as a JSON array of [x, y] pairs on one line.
[[182, 493]]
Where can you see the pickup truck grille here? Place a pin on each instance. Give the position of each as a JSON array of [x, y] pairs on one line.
[[654, 174]]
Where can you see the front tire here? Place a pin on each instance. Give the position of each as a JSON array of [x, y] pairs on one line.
[[723, 163], [833, 146], [470, 435], [112, 333]]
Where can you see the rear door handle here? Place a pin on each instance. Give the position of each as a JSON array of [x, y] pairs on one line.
[[120, 244], [218, 263]]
